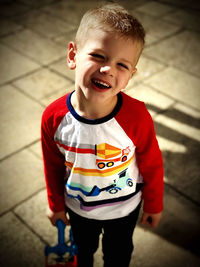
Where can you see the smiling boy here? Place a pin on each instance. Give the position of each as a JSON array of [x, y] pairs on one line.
[[101, 156]]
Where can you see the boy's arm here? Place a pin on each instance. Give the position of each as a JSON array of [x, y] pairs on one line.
[[150, 163], [54, 168], [54, 216], [151, 219]]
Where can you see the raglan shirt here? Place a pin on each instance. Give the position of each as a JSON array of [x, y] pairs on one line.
[[101, 169]]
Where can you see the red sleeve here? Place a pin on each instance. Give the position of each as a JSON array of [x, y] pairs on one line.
[[54, 161], [150, 164], [138, 125]]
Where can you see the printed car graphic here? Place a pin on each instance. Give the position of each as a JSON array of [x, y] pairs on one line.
[[121, 182], [109, 157]]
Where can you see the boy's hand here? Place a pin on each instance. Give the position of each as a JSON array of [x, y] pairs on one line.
[[151, 219], [54, 216]]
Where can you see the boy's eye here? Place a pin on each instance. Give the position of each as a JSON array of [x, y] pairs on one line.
[[97, 56], [123, 65]]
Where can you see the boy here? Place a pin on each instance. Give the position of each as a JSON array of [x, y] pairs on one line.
[[101, 156]]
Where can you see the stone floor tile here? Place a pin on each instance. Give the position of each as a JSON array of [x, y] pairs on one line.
[[171, 51], [65, 12], [35, 46], [8, 27], [155, 9], [156, 29], [178, 85], [187, 19], [20, 120], [145, 69], [49, 99], [41, 83], [155, 101], [62, 68], [21, 177], [157, 252], [170, 146], [180, 223], [11, 9], [11, 59], [44, 24], [190, 4], [64, 39], [33, 213], [36, 149], [37, 3], [34, 216], [195, 114], [181, 127], [181, 166], [19, 246], [175, 241]]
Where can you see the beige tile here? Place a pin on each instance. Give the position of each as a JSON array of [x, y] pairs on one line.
[[168, 145], [49, 99], [14, 64], [12, 9], [178, 85], [33, 212], [155, 101], [155, 28], [180, 127], [21, 177], [8, 26], [98, 256], [64, 39], [165, 254], [44, 24], [20, 120], [178, 51], [145, 69], [181, 161], [36, 3], [195, 5], [65, 11], [41, 83], [62, 68], [186, 19], [19, 245], [35, 46], [155, 9], [191, 113], [174, 238], [36, 149]]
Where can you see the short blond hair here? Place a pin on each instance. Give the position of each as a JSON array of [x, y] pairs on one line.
[[111, 18]]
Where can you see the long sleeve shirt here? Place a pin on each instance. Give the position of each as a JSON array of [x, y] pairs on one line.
[[101, 169]]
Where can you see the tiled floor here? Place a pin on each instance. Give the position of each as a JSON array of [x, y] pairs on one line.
[[34, 36]]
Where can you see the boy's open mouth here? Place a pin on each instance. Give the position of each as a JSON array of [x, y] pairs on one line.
[[101, 85]]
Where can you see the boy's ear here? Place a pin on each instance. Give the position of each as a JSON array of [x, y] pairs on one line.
[[71, 56], [133, 72]]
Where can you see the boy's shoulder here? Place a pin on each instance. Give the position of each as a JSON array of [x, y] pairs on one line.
[[131, 105], [56, 108]]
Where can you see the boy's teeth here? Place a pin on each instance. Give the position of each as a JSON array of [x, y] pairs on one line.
[[102, 83]]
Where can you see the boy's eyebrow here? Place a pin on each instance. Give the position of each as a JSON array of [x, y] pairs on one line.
[[126, 61], [96, 50]]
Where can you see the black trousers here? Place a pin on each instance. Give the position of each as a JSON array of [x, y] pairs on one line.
[[117, 242]]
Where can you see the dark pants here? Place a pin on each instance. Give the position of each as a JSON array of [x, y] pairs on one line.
[[116, 243]]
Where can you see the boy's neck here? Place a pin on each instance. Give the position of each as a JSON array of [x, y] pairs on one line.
[[90, 110]]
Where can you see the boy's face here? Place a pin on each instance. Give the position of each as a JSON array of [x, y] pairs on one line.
[[104, 65]]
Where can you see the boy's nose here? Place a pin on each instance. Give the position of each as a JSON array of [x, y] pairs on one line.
[[106, 69]]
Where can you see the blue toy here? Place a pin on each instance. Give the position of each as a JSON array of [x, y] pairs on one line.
[[62, 248]]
